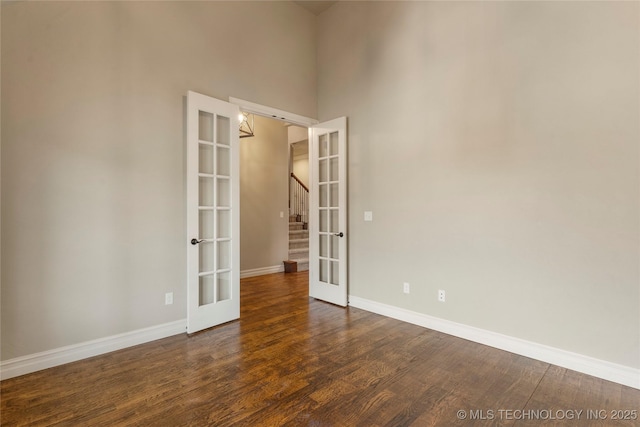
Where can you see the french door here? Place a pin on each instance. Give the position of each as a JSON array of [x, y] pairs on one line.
[[213, 214], [328, 212]]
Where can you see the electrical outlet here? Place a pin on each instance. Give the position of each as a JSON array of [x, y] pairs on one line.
[[441, 295], [406, 288], [168, 298]]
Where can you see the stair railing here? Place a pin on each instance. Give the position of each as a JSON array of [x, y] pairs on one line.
[[299, 201]]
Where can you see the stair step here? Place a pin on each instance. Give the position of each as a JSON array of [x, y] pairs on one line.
[[302, 244], [297, 256], [299, 240], [303, 264], [298, 251]]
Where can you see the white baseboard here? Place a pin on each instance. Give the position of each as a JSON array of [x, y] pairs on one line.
[[262, 271], [59, 356], [72, 353], [588, 365]]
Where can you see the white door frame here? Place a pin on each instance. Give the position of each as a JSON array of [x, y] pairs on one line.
[[273, 113], [296, 119]]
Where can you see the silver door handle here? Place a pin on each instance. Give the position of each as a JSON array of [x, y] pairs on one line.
[[340, 234]]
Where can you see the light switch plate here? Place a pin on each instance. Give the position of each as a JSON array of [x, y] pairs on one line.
[[368, 216]]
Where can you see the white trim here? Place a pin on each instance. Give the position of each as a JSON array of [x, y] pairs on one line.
[[274, 113], [588, 365], [262, 271], [335, 294], [72, 353], [203, 316]]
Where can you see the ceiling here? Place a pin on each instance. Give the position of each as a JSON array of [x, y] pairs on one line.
[[316, 7]]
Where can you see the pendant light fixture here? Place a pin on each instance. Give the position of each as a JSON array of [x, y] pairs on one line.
[[246, 124]]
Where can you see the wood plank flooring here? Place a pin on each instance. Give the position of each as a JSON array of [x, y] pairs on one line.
[[295, 361]]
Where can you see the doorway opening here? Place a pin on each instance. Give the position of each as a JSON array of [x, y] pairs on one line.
[[214, 207], [273, 209], [328, 234], [299, 199]]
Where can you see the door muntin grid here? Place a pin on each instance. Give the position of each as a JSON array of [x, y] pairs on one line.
[[328, 209], [214, 208]]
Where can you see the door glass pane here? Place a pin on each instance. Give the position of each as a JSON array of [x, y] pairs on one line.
[[224, 255], [206, 290], [322, 171], [205, 126], [333, 195], [335, 273], [205, 158], [322, 146], [335, 225], [324, 197], [335, 244], [206, 191], [223, 161], [224, 193], [324, 220], [206, 225], [324, 272], [223, 130], [207, 258], [224, 224], [224, 287], [324, 250], [333, 144], [333, 169]]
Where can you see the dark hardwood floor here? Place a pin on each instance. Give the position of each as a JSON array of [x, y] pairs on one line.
[[291, 360]]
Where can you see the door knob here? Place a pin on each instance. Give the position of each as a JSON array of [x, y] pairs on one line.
[[340, 234], [196, 241]]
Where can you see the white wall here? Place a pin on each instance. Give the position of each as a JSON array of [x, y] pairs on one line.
[[299, 139], [93, 175], [264, 193], [497, 145], [301, 168], [498, 141], [297, 134]]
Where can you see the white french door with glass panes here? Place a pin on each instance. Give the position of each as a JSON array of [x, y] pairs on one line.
[[213, 256], [328, 212]]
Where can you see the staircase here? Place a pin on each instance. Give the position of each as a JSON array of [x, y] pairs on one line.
[[298, 243], [298, 226]]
